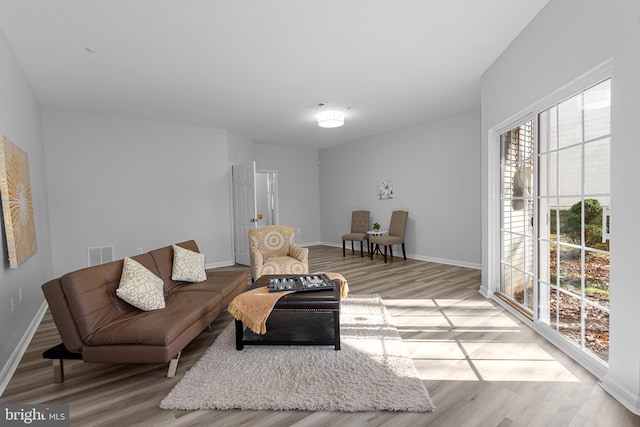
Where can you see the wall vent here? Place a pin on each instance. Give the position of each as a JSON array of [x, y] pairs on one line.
[[99, 255]]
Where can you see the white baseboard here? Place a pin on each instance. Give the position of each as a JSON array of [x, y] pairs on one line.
[[219, 264], [457, 263], [486, 292], [12, 364], [304, 245], [628, 399]]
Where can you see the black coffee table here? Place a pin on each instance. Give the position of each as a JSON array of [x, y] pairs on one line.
[[299, 318]]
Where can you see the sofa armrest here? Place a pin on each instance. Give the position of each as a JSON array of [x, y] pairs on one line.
[[61, 314]]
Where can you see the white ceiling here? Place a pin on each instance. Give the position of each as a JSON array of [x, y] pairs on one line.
[[260, 67]]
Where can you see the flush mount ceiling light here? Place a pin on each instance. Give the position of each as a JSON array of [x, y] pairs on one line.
[[330, 119]]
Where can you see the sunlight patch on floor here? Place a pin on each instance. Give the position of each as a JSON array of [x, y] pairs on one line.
[[470, 340]]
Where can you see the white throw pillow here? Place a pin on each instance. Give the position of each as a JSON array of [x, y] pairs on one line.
[[140, 287], [188, 266]]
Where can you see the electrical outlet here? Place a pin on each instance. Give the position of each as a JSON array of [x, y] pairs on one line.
[[138, 251], [298, 231], [13, 303]]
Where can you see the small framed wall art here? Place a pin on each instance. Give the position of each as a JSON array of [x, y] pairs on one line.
[[385, 189]]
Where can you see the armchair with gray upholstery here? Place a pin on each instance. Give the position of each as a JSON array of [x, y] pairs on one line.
[[273, 250]]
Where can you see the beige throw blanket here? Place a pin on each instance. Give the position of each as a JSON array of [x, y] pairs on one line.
[[254, 307]]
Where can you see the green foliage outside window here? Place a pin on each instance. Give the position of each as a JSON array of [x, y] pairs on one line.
[[571, 220]]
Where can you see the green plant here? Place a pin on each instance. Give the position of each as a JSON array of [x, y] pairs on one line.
[[376, 226], [572, 221]]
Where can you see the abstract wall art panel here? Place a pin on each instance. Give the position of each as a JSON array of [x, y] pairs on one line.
[[17, 205]]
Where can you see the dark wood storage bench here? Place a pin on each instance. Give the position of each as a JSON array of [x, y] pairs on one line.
[[299, 318]]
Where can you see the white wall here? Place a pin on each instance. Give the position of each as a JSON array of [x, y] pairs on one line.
[[567, 39], [20, 122], [240, 148], [134, 184], [298, 187], [435, 168]]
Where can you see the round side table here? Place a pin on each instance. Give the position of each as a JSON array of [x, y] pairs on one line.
[[377, 248]]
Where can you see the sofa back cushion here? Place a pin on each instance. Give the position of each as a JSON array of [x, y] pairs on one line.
[[91, 295]]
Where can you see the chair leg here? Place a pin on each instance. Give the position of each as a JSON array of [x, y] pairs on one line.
[[385, 253], [391, 251], [352, 250], [404, 254], [343, 248], [361, 249]]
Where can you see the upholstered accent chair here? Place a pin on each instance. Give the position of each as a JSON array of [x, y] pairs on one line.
[[395, 236], [272, 250], [359, 227]]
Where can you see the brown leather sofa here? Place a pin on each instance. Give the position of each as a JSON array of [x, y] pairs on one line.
[[97, 326]]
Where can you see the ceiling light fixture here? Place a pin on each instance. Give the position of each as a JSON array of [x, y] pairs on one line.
[[330, 119]]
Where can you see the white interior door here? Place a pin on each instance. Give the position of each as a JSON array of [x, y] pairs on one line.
[[243, 177]]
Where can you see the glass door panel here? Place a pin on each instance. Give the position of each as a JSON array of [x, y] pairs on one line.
[[516, 220], [574, 219]]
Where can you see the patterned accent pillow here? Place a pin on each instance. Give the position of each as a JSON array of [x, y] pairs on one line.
[[188, 266], [140, 287]]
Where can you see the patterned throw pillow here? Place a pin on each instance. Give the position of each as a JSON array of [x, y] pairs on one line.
[[188, 266], [140, 287]]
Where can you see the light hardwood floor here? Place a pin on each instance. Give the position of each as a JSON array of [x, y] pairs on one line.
[[482, 367]]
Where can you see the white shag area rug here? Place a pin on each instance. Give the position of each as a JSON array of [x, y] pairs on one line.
[[371, 372]]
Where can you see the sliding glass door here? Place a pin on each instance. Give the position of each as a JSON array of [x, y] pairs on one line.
[[555, 211]]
